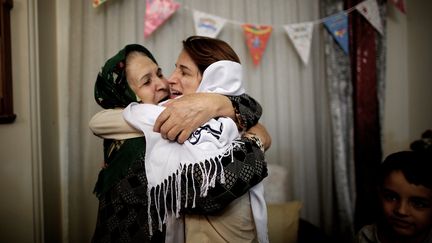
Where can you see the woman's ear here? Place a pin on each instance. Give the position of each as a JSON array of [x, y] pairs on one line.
[[131, 93]]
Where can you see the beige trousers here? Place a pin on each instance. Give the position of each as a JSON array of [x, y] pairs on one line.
[[234, 224]]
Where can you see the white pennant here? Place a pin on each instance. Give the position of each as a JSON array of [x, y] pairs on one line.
[[207, 24], [301, 36], [369, 9]]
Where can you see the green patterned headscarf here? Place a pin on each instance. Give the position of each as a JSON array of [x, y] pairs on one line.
[[111, 87], [111, 91]]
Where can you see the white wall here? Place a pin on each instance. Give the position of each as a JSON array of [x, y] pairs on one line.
[[19, 153], [409, 83], [49, 119]]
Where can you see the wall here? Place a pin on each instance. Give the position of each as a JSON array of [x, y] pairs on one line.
[[49, 120], [419, 67], [20, 209], [408, 85], [29, 160]]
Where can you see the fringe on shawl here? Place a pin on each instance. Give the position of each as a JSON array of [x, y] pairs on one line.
[[173, 185]]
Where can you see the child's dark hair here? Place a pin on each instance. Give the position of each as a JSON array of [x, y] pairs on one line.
[[424, 144], [415, 166]]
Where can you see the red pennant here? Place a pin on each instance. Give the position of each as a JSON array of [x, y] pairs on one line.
[[400, 4], [256, 40], [97, 3]]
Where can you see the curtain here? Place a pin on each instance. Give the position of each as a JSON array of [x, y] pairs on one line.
[[356, 87], [368, 86], [340, 90], [294, 96]]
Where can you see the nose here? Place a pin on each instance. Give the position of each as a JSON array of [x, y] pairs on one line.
[[162, 84], [402, 208], [173, 79]]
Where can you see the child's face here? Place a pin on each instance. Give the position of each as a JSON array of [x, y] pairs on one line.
[[407, 207], [186, 77]]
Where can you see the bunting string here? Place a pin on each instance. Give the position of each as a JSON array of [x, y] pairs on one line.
[[257, 35], [235, 22]]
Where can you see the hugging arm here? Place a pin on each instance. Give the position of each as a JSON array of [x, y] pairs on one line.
[[184, 115], [244, 169], [247, 111], [109, 124]]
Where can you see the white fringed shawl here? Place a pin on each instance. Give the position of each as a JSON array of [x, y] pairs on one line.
[[165, 160]]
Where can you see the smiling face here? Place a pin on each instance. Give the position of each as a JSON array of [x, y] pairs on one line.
[[186, 77], [407, 207], [145, 78]]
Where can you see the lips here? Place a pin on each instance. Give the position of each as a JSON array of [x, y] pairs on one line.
[[401, 224], [175, 93]]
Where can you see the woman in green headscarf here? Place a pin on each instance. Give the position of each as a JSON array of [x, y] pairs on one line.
[[122, 184]]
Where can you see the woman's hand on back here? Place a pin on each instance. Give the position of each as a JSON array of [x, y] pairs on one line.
[[261, 132]]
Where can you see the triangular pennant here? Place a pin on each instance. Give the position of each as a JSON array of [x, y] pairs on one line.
[[96, 3], [301, 36], [207, 24], [369, 9], [337, 25], [157, 12], [400, 4], [256, 40]]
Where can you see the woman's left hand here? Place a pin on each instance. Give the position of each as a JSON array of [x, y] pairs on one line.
[[184, 115], [260, 131]]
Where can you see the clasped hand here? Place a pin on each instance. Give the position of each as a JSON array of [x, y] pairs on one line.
[[184, 115]]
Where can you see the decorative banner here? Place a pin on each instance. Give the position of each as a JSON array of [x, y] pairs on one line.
[[207, 24], [400, 4], [96, 3], [301, 36], [256, 40], [337, 25], [157, 12], [369, 9]]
